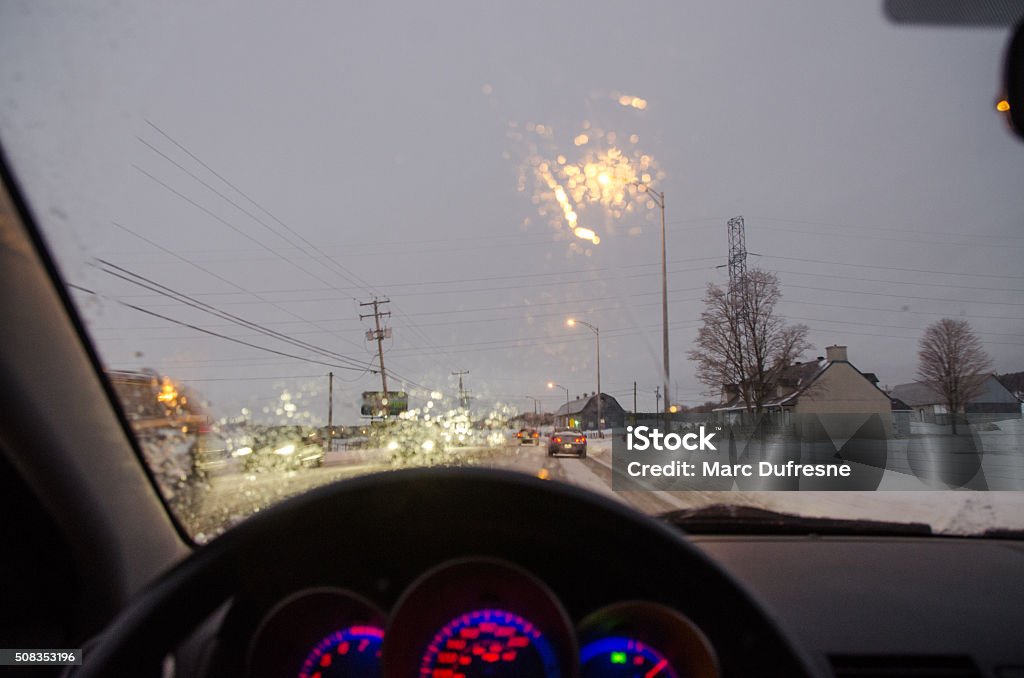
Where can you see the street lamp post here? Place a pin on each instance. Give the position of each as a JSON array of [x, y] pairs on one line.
[[552, 384], [572, 322], [659, 199], [536, 404]]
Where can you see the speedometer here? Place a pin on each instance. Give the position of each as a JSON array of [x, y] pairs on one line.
[[479, 617], [490, 642]]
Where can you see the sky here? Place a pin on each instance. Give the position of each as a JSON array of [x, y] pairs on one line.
[[285, 165]]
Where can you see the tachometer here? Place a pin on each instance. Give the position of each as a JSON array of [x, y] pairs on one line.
[[318, 633], [621, 657], [489, 642], [347, 653]]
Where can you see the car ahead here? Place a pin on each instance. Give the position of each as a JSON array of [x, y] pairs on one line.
[[211, 452], [282, 448], [528, 436], [567, 442]]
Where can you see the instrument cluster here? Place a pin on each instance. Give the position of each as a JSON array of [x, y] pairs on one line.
[[474, 617]]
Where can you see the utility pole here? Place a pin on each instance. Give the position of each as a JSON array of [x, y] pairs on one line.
[[463, 400], [657, 399], [379, 334], [664, 303], [536, 405], [330, 410], [658, 198], [634, 397]]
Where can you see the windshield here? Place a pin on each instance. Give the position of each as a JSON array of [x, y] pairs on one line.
[[315, 243]]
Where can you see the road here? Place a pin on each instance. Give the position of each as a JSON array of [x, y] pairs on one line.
[[227, 498]]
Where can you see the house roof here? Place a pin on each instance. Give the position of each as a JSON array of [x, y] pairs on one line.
[[915, 393], [578, 405], [898, 405], [794, 380], [918, 394], [1013, 382]]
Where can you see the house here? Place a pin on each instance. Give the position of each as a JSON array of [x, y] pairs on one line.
[[582, 413], [994, 401], [901, 415], [830, 385], [1014, 383]]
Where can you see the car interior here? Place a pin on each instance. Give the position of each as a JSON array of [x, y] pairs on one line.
[[365, 575]]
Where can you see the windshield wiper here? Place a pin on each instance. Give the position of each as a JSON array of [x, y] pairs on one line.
[[731, 519]]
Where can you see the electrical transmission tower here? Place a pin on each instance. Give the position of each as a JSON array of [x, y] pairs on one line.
[[737, 256], [379, 334]]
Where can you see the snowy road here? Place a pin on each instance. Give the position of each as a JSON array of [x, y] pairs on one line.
[[229, 497]]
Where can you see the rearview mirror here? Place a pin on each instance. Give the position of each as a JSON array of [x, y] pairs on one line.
[[977, 14]]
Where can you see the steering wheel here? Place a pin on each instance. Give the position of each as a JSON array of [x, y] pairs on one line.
[[409, 520]]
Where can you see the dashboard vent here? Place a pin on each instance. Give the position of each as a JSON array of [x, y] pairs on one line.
[[896, 666]]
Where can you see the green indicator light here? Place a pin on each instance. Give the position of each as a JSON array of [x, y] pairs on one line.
[[618, 657]]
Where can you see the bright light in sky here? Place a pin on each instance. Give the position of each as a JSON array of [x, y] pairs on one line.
[[597, 185]]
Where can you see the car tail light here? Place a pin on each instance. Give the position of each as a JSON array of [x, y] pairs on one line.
[[519, 435], [556, 439], [536, 435], [581, 440]]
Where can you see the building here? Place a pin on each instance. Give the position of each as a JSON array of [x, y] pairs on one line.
[[994, 401], [901, 415], [581, 414], [1014, 383], [830, 385]]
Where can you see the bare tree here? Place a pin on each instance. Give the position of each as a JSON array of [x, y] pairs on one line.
[[952, 361], [744, 344]]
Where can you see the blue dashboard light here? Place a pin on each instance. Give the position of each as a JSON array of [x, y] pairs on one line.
[[621, 657]]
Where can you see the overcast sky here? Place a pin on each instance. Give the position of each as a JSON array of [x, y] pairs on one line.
[[284, 165]]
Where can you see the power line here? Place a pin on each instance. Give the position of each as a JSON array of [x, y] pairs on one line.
[[282, 378], [241, 289], [317, 255], [887, 229], [212, 333], [905, 296], [147, 283], [894, 268], [899, 282], [313, 250]]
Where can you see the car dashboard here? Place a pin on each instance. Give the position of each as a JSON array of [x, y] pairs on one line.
[[466, 617], [463, 572], [538, 579]]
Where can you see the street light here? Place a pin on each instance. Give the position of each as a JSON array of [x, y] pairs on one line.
[[572, 322], [552, 384], [536, 404], [659, 199]]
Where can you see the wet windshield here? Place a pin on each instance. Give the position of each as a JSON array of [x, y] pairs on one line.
[[316, 243]]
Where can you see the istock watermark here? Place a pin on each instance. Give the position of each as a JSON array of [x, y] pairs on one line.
[[643, 438], [824, 451]]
